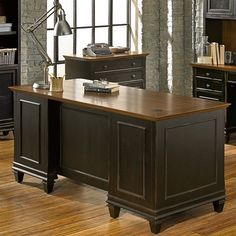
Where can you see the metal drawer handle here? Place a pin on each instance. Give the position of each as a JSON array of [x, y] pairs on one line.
[[133, 76], [207, 74], [133, 64], [208, 85], [105, 67]]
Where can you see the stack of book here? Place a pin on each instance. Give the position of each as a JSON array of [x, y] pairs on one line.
[[101, 87], [5, 27], [217, 53]]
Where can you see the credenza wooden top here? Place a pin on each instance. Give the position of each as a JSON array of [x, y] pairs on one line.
[[114, 56], [134, 102], [230, 68]]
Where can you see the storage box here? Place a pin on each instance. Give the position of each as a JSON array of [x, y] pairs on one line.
[[7, 56]]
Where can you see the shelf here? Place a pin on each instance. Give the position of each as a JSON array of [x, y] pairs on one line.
[[8, 33]]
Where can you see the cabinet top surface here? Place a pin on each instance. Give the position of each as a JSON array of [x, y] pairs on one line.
[[113, 56], [228, 68], [133, 102]]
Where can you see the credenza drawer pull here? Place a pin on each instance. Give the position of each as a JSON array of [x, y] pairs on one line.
[[133, 64], [209, 98], [133, 76], [208, 85], [207, 74], [105, 67]]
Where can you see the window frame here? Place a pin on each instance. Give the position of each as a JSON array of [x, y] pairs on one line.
[[93, 28]]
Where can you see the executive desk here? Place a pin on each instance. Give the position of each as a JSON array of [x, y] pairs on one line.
[[155, 153]]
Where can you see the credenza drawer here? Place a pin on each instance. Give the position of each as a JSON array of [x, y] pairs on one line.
[[210, 73], [116, 65], [210, 96], [209, 84], [120, 76]]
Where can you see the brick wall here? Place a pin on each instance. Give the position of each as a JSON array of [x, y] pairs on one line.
[[31, 68], [168, 35]]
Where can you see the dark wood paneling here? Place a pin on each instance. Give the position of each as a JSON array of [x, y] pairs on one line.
[[131, 145], [30, 131], [86, 145]]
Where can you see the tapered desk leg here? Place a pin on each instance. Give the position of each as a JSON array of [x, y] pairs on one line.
[[48, 186], [155, 227], [113, 210], [219, 205], [18, 176]]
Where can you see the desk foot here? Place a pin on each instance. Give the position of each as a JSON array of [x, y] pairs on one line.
[[155, 227], [219, 205], [113, 210], [19, 176], [48, 186]]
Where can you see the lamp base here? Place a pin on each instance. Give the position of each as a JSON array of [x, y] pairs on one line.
[[41, 85]]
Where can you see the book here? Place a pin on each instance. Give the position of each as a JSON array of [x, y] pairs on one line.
[[222, 54], [213, 53], [101, 90], [101, 86]]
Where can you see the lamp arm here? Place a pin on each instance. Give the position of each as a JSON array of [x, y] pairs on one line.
[[41, 49], [43, 18]]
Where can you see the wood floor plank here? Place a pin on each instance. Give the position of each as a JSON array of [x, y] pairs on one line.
[[75, 209]]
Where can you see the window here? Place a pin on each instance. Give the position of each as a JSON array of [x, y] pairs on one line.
[[94, 21]]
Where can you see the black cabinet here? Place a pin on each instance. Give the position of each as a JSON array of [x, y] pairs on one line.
[[9, 60], [217, 83], [126, 69], [8, 77]]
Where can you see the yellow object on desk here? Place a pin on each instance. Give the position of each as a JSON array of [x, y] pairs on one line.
[[56, 84]]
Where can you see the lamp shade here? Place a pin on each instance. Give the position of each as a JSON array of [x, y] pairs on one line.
[[62, 27]]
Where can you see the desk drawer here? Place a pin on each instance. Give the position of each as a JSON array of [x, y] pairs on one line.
[[120, 76], [117, 64], [210, 73], [209, 84]]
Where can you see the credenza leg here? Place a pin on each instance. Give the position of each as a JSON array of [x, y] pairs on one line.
[[18, 176], [48, 186], [113, 210], [155, 227], [219, 205]]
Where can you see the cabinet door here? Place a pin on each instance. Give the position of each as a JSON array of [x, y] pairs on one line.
[[7, 78], [220, 8]]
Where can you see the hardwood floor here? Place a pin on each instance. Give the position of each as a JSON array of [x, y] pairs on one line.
[[78, 209]]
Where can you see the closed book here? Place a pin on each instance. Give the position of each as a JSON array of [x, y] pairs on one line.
[[98, 84], [100, 90], [222, 54], [213, 53]]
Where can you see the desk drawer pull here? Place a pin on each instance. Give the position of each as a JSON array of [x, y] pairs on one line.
[[208, 85], [133, 64], [133, 76], [105, 67], [207, 74]]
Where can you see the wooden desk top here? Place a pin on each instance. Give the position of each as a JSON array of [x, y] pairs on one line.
[[115, 56], [134, 102]]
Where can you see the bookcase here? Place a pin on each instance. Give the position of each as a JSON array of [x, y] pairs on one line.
[[9, 60], [218, 82]]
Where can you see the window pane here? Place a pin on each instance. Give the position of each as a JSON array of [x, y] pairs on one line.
[[50, 43], [60, 70], [65, 45], [84, 37], [120, 12], [84, 12], [101, 35], [101, 12], [119, 36], [67, 5]]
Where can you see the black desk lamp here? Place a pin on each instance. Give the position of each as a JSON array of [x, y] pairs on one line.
[[61, 28]]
